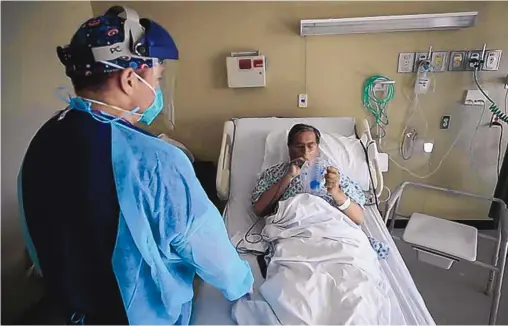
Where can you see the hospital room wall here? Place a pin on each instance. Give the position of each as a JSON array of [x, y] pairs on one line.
[[31, 72], [333, 75]]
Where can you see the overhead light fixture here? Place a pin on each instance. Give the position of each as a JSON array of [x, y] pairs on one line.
[[381, 24]]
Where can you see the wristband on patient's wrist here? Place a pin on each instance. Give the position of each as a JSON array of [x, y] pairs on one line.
[[346, 204]]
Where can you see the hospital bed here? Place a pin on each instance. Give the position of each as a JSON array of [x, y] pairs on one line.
[[240, 162]]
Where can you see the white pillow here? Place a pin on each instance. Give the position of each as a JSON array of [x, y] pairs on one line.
[[344, 152]]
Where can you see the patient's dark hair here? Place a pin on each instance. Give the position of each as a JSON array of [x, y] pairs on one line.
[[302, 127]]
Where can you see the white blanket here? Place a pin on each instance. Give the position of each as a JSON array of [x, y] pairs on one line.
[[323, 271]]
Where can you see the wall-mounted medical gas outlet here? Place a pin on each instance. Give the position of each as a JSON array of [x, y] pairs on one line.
[[472, 55], [457, 61], [492, 60], [406, 62], [475, 97], [302, 101], [439, 61], [419, 57]]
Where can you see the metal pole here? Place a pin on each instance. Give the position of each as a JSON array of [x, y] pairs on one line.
[[394, 215], [495, 259], [498, 283]]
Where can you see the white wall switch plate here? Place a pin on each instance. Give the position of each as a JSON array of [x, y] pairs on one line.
[[439, 61], [475, 97], [492, 60], [406, 62], [302, 101]]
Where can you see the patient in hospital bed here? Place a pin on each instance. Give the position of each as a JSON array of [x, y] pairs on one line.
[[282, 181], [322, 269]]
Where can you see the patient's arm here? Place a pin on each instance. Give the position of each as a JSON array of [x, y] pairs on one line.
[[266, 202], [354, 211], [335, 184]]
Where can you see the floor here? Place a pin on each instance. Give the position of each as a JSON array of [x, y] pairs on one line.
[[456, 296], [453, 297]]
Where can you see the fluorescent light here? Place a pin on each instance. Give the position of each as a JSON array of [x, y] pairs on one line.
[[380, 24]]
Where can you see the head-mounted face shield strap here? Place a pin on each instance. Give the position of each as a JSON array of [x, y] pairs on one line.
[[133, 31]]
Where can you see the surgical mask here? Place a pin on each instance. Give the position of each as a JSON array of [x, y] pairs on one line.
[[154, 109], [147, 117]]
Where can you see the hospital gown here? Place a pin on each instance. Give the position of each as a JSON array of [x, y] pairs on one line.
[[276, 172], [352, 189]]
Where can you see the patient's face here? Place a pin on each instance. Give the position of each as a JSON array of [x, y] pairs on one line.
[[304, 145]]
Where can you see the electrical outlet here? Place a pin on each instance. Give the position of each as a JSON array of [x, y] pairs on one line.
[[420, 56], [492, 60], [457, 61], [406, 62], [475, 97], [445, 122], [472, 55], [439, 61], [302, 100]]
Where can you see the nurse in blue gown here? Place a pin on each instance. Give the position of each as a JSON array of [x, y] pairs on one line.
[[115, 219]]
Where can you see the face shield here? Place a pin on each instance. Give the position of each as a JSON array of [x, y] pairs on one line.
[[167, 86]]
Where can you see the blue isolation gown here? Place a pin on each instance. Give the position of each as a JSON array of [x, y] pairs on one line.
[[168, 230]]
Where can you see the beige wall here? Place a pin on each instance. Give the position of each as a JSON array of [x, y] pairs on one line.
[[205, 33], [336, 68], [31, 31]]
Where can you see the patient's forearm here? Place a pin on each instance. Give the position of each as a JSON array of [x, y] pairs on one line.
[[269, 198], [354, 211]]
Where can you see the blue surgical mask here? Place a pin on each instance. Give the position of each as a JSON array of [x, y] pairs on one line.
[[149, 115]]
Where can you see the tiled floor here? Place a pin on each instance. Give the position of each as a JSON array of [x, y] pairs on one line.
[[453, 297]]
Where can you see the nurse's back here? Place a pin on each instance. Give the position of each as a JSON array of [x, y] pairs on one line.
[[71, 208]]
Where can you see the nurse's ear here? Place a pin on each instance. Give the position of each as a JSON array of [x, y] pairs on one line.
[[128, 81]]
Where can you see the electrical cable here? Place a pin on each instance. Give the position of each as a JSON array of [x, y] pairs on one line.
[[365, 150], [410, 136], [506, 101], [499, 151], [414, 105], [387, 197], [249, 234], [438, 166], [493, 107], [473, 139]]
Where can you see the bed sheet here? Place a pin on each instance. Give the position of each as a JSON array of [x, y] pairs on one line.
[[210, 307]]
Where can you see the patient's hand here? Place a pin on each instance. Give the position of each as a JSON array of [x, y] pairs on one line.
[[332, 179], [295, 167]]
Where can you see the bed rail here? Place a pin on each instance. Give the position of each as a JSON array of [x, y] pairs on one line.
[[498, 265], [363, 133], [224, 164]]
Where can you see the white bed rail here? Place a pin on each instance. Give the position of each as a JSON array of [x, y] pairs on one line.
[[363, 133], [224, 164]]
